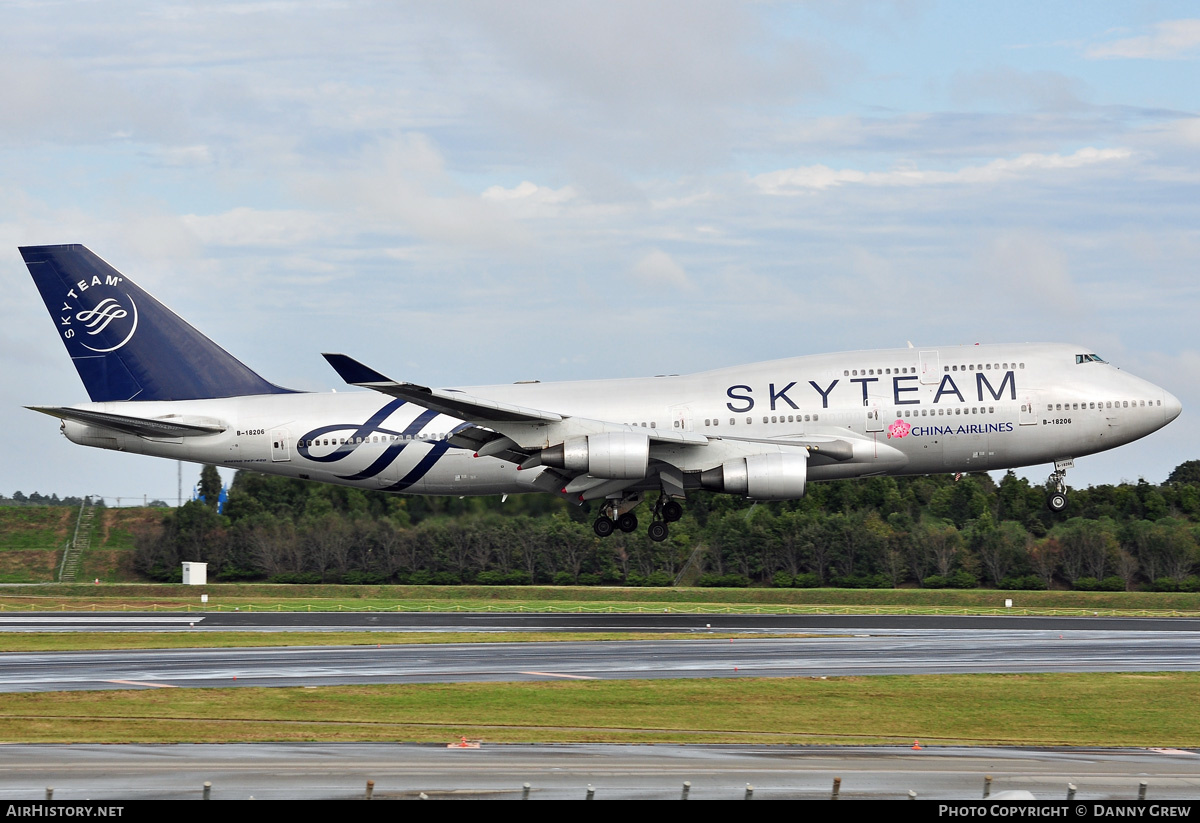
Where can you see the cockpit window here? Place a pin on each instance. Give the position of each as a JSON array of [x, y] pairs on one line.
[[1089, 358]]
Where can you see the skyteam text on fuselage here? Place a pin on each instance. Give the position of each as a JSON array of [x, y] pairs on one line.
[[161, 388]]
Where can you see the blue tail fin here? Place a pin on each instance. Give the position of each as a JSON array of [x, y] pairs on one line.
[[124, 343]]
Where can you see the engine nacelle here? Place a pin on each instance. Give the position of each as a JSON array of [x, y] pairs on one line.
[[775, 476], [618, 455]]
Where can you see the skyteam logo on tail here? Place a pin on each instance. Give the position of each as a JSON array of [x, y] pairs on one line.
[[108, 325]]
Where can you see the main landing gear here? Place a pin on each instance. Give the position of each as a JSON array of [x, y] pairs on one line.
[[1057, 501], [618, 514]]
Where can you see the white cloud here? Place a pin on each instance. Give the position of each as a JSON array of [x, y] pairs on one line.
[[528, 199], [659, 269], [1170, 40], [181, 156], [244, 226], [1035, 271], [400, 185], [529, 192], [819, 177]]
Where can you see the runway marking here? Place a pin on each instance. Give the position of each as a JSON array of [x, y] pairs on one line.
[[556, 674], [142, 683]]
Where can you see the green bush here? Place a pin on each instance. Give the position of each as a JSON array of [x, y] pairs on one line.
[[295, 577], [1030, 582], [724, 581]]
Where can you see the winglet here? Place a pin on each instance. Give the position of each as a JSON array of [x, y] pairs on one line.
[[353, 372], [451, 402]]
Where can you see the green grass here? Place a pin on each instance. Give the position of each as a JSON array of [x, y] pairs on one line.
[[36, 527], [267, 597], [1028, 710]]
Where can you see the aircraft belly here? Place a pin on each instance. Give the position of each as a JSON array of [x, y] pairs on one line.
[[458, 472], [965, 452]]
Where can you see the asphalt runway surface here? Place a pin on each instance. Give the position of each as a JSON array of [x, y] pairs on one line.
[[564, 772], [853, 646]]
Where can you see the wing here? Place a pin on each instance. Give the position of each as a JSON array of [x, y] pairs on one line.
[[481, 410], [447, 401]]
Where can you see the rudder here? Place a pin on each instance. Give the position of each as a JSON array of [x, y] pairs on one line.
[[124, 343]]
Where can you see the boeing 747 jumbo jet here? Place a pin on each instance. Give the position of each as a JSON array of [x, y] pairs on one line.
[[161, 388]]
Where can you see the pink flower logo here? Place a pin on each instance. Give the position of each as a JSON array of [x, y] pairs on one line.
[[898, 429]]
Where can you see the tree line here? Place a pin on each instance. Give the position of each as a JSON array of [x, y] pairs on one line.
[[931, 531]]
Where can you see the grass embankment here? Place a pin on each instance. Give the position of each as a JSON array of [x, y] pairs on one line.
[[32, 539], [268, 597], [1028, 710]]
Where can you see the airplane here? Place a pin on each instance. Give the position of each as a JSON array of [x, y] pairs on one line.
[[160, 387]]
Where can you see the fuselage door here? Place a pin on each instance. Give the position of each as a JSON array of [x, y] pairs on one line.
[[281, 447], [930, 367], [874, 418], [681, 417], [1029, 409]]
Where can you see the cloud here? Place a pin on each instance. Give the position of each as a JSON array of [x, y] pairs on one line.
[[659, 269], [180, 156], [528, 199], [1035, 272], [400, 185], [1171, 40], [819, 177], [1038, 90], [244, 226]]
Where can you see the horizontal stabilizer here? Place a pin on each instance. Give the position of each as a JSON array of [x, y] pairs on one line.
[[174, 426], [446, 401]]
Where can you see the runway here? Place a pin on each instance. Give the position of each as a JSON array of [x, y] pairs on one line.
[[564, 772], [919, 646], [849, 645]]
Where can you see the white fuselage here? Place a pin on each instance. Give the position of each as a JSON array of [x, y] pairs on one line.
[[904, 411]]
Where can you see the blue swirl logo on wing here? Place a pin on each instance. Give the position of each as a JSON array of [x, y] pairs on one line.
[[359, 435]]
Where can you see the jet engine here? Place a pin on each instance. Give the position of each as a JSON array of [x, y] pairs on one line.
[[618, 455], [775, 476]]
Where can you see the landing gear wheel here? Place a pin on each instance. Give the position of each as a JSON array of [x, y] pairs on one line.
[[657, 531], [1057, 483], [603, 526], [672, 511], [627, 522]]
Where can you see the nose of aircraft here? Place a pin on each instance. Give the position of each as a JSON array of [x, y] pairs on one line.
[[1171, 407]]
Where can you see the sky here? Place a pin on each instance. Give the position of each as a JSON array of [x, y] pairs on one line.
[[465, 193]]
